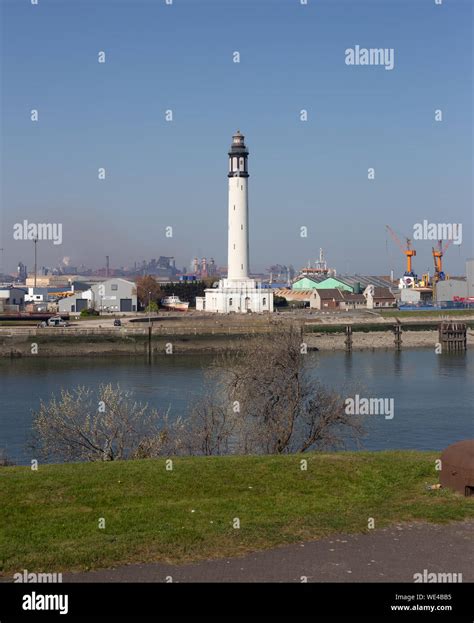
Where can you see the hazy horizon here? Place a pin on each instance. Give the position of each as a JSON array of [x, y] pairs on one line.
[[161, 174]]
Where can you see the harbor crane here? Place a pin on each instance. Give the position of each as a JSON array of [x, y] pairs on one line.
[[438, 253], [408, 251]]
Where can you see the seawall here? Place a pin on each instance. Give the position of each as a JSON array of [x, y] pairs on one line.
[[54, 342]]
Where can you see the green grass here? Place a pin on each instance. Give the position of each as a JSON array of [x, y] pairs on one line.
[[49, 518]]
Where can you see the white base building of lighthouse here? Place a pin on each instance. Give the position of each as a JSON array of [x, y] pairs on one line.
[[238, 293], [236, 296]]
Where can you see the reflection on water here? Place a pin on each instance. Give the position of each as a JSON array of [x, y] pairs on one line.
[[449, 362], [397, 362], [348, 363], [433, 393]]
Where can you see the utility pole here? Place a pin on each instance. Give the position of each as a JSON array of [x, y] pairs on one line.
[[35, 241], [149, 326]]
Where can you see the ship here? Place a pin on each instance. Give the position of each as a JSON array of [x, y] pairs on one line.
[[173, 303]]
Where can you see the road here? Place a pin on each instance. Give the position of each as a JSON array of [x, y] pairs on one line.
[[392, 554]]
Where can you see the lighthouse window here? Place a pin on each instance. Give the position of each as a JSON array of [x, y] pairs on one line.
[[241, 163], [242, 266], [241, 227], [264, 301], [230, 302], [241, 188], [234, 246], [234, 207]]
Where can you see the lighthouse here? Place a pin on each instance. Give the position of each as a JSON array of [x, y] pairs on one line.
[[238, 241], [238, 293]]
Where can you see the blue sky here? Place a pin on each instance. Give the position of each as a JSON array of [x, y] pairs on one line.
[[311, 174]]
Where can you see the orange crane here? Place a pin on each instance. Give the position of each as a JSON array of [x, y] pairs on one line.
[[408, 251], [438, 253]]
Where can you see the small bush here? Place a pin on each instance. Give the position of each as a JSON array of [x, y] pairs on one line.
[[85, 313], [4, 460]]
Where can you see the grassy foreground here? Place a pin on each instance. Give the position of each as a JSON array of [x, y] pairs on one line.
[[50, 518]]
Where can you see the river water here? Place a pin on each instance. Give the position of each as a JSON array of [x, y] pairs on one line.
[[433, 394]]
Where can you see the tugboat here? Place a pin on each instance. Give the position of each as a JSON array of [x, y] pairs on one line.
[[173, 303]]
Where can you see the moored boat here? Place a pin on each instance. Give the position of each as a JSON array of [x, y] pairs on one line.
[[174, 303]]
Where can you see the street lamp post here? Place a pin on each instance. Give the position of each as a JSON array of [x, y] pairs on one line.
[[36, 242], [149, 326]]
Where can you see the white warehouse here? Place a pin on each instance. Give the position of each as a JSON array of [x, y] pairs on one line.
[[110, 296]]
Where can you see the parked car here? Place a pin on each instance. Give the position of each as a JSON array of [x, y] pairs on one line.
[[117, 322], [55, 321]]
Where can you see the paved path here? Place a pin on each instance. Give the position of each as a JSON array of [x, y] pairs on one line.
[[391, 554]]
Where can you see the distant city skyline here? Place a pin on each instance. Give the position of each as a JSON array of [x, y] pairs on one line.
[[162, 174]]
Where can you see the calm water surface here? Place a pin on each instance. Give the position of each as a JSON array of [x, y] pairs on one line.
[[433, 394]]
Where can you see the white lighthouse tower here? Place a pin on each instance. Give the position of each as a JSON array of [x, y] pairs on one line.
[[238, 293], [238, 250]]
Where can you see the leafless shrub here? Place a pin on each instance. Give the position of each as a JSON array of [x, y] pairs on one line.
[[111, 425], [261, 400], [282, 408], [165, 440], [4, 460], [211, 424]]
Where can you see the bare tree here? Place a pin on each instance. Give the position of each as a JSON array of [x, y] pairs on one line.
[[282, 407], [4, 459], [211, 425], [261, 400], [111, 425]]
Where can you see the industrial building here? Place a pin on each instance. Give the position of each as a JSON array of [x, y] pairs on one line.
[[36, 295], [307, 282], [75, 303], [457, 288], [373, 297], [379, 297], [204, 268], [50, 281], [110, 296], [12, 299], [416, 296], [350, 283], [332, 298]]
